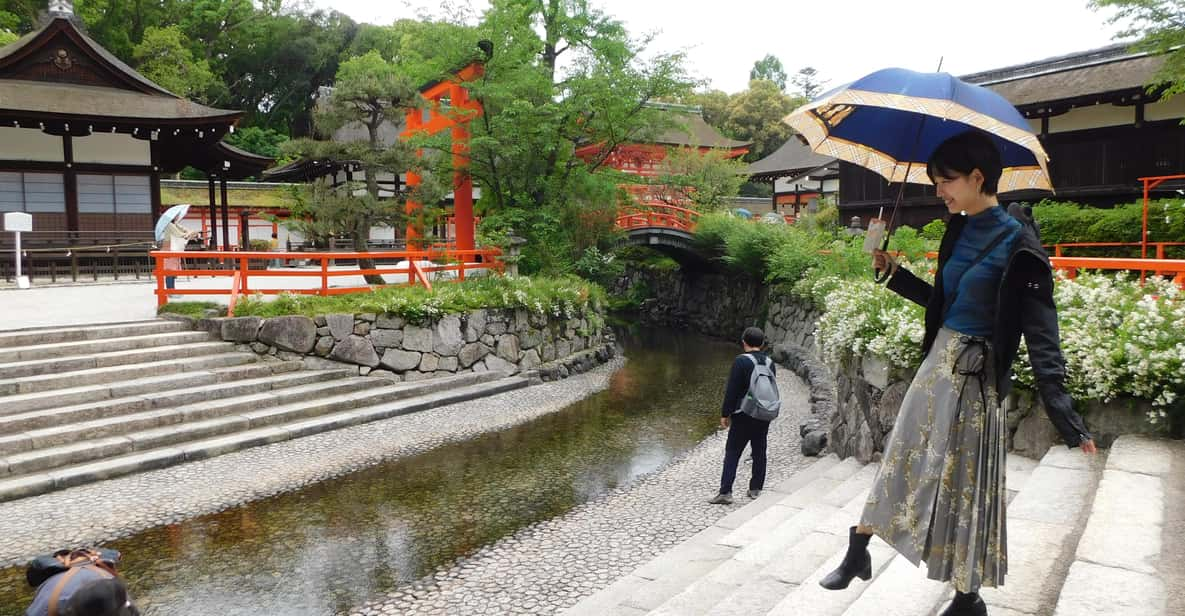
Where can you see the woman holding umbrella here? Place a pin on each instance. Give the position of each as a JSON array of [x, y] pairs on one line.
[[177, 236], [938, 496]]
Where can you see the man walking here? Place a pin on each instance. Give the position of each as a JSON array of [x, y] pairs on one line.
[[750, 403]]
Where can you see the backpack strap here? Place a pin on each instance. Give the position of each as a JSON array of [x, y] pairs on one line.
[[61, 585], [753, 359]]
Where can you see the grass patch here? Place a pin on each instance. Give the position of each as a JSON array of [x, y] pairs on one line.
[[566, 296], [196, 310]]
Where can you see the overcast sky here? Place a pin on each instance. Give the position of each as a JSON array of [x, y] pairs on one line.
[[842, 39]]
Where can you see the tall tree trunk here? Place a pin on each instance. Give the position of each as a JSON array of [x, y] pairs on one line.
[[362, 232]]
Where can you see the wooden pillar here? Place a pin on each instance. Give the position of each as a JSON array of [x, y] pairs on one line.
[[154, 180], [225, 216], [70, 184], [212, 239], [462, 190], [244, 228]]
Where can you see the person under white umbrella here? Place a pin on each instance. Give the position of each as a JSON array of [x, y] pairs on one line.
[[176, 235]]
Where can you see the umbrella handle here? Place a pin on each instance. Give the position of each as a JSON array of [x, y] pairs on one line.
[[880, 276]]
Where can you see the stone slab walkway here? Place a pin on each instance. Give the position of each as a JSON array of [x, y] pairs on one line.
[[548, 567]]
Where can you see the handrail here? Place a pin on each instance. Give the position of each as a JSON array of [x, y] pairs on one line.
[[236, 265]]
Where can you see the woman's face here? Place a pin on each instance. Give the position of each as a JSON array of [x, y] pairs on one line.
[[959, 192]]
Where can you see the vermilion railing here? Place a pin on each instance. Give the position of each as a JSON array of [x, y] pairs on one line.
[[240, 273], [658, 215]]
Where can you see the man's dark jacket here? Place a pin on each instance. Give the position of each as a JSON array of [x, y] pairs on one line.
[[1024, 305]]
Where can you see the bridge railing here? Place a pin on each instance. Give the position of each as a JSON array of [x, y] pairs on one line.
[[660, 215]]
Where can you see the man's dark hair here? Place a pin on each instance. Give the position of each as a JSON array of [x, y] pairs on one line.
[[753, 337], [107, 597], [964, 153]]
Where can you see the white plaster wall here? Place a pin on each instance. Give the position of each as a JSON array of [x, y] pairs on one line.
[[112, 149], [1094, 116], [1173, 109], [29, 144]]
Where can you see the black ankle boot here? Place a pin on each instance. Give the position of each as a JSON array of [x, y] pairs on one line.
[[966, 604], [856, 563]]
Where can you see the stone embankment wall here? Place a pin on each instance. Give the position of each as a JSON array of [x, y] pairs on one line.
[[389, 346], [854, 405]]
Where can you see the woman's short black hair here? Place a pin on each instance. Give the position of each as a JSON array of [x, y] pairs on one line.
[[964, 153], [753, 337]]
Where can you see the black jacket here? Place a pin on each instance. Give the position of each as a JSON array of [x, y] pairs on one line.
[[738, 380], [1024, 305]]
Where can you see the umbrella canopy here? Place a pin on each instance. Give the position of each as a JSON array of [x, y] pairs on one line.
[[894, 119], [172, 214]]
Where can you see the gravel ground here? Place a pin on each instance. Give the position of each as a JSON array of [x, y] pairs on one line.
[[548, 567], [120, 507]]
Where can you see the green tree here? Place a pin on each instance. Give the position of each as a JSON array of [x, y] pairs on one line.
[[523, 152], [1160, 27], [368, 92], [808, 83], [163, 56], [756, 115], [703, 181], [769, 68], [714, 104], [6, 37], [262, 141]]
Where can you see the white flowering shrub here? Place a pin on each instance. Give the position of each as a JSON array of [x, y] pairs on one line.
[[1119, 338], [860, 317]]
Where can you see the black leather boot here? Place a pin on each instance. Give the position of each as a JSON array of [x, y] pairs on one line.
[[966, 604], [856, 563]]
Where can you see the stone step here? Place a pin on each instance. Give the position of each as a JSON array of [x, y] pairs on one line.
[[152, 385], [158, 428], [212, 357], [58, 426], [43, 351], [57, 335], [741, 582], [117, 465], [1045, 521], [62, 365], [612, 599], [1119, 557]]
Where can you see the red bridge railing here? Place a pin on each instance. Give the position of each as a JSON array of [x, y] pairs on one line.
[[658, 215]]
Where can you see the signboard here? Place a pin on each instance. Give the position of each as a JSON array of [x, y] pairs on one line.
[[18, 221]]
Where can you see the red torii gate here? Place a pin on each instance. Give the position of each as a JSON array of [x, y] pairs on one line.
[[456, 117]]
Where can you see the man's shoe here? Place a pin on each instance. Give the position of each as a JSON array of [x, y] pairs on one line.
[[856, 563], [754, 493], [966, 604], [721, 499]]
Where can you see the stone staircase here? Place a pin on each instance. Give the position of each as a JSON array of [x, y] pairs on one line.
[[84, 404], [1085, 537]]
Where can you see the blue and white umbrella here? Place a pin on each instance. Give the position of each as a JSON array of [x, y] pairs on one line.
[[892, 120], [175, 213]]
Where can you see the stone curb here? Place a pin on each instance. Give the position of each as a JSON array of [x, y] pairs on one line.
[[813, 427]]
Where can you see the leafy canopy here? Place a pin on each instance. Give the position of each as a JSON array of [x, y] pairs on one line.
[[1160, 27], [769, 68]]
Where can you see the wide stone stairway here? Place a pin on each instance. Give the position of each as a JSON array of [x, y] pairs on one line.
[[83, 404], [1085, 537]]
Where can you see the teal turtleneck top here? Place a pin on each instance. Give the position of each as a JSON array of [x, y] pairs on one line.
[[971, 293]]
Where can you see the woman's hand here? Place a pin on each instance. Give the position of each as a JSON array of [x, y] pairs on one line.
[[1089, 448], [882, 261]]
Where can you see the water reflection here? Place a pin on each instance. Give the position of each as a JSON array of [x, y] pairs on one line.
[[334, 545]]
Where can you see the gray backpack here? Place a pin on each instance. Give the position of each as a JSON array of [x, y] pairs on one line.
[[762, 402]]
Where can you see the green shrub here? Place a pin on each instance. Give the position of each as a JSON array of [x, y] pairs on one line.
[[566, 296], [191, 309], [600, 267], [906, 240], [934, 230]]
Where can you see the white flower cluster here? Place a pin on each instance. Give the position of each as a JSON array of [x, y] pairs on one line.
[[1119, 338], [860, 318]]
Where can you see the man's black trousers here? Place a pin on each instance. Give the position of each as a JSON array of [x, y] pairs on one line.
[[744, 430]]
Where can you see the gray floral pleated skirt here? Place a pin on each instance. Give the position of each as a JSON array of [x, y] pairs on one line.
[[938, 497]]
